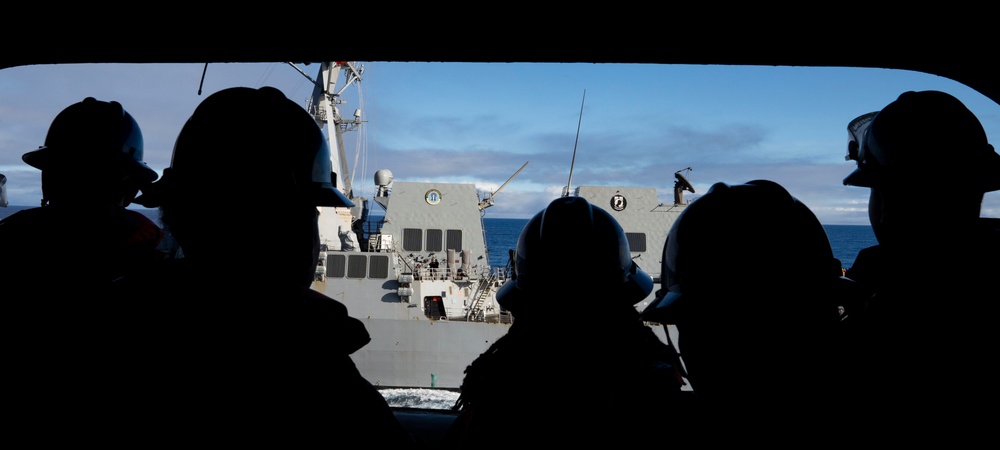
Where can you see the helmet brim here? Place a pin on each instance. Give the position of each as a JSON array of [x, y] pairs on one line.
[[859, 178], [989, 181], [45, 158], [663, 308], [632, 291], [332, 197], [508, 296], [152, 195], [990, 168], [641, 282], [38, 159]]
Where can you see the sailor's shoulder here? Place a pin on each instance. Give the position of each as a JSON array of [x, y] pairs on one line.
[[991, 223], [326, 315], [320, 301], [25, 220], [865, 264], [989, 229], [986, 243]]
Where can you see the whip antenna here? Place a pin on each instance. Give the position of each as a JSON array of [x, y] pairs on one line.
[[202, 84], [573, 161]]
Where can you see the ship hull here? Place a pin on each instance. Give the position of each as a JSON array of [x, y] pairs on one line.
[[411, 345], [423, 353]]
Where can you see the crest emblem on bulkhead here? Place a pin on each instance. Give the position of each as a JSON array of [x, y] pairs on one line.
[[432, 197]]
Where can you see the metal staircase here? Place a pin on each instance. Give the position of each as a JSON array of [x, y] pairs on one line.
[[475, 313]]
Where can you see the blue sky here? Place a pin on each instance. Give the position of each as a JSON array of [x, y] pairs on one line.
[[480, 122]]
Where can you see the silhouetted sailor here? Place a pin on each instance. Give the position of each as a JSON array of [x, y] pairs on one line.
[[245, 352], [577, 365], [755, 300], [930, 336], [57, 262]]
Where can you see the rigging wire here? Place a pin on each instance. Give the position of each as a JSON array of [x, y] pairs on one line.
[[573, 161]]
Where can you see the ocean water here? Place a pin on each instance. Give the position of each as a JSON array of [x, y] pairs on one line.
[[845, 240], [848, 240], [501, 237]]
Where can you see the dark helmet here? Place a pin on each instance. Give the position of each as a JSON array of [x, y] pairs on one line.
[[739, 248], [572, 239], [95, 138], [918, 136], [258, 133]]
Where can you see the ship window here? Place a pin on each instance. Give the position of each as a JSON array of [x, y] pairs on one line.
[[413, 239], [378, 266], [455, 240], [335, 265], [434, 240], [636, 241], [357, 266]]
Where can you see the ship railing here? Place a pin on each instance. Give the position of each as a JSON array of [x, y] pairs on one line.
[[426, 273], [450, 273], [500, 275]]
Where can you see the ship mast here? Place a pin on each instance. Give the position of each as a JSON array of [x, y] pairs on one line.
[[336, 224], [325, 107]]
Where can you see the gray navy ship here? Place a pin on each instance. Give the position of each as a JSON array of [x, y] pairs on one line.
[[419, 277]]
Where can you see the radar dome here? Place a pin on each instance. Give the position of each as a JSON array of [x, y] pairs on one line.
[[383, 177]]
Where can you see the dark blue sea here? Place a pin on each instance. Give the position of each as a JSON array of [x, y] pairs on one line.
[[846, 240]]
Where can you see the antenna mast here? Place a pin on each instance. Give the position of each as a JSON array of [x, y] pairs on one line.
[[487, 202], [573, 161]]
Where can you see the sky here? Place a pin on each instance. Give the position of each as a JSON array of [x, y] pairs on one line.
[[480, 122]]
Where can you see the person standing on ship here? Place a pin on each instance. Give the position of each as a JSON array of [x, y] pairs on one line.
[[247, 353], [928, 334], [57, 261], [755, 299], [549, 381], [434, 265]]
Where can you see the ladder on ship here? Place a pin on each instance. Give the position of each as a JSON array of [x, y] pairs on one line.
[[482, 291]]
